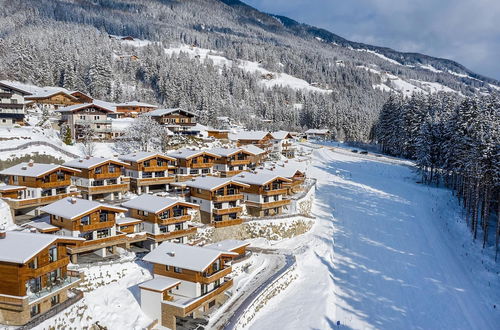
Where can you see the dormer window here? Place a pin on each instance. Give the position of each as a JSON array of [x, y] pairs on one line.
[[33, 264], [53, 253]]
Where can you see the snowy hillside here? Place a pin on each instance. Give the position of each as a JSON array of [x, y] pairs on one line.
[[385, 253]]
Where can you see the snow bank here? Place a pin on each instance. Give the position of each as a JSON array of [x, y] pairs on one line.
[[6, 221]]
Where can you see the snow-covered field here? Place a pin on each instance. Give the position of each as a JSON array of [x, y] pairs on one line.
[[385, 253]]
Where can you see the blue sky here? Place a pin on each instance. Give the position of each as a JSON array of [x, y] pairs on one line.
[[467, 31]]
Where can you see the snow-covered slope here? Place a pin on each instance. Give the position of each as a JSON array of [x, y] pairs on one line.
[[385, 253]]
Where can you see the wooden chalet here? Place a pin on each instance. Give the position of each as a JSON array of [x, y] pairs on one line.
[[266, 193], [257, 155], [12, 101], [176, 120], [31, 185], [219, 199], [97, 114], [93, 221], [100, 178], [283, 143], [293, 171], [231, 161], [189, 281], [261, 139], [55, 96], [82, 97], [163, 219], [149, 171], [133, 109], [221, 134], [318, 134], [231, 245], [34, 276], [192, 163]]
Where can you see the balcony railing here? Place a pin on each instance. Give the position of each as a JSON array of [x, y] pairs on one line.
[[20, 203], [105, 188], [226, 198], [280, 191], [171, 220], [235, 209], [57, 285], [215, 276], [227, 223]]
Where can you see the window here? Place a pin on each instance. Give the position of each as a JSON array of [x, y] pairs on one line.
[[53, 276], [112, 181], [160, 162], [53, 253], [167, 268], [177, 270], [54, 300], [85, 221], [204, 289], [103, 217], [98, 170], [33, 264], [178, 211], [146, 163], [159, 174], [61, 190], [35, 284], [216, 266], [147, 174], [217, 284], [205, 170], [13, 101], [178, 226], [212, 303], [112, 169], [191, 171], [102, 233], [97, 183], [144, 213], [35, 310], [163, 229], [217, 206], [233, 204], [198, 190], [47, 192], [165, 215]]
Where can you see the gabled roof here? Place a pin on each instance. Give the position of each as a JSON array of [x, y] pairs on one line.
[[251, 135], [211, 183], [136, 104], [159, 283], [34, 170], [103, 105], [281, 135], [259, 179], [7, 188], [163, 112], [91, 162], [127, 221], [50, 91], [227, 152], [42, 226], [142, 156], [154, 204], [317, 131], [254, 150], [71, 208], [227, 245], [184, 256], [188, 153], [284, 171], [19, 247], [18, 87]]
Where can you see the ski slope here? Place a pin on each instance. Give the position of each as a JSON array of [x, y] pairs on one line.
[[385, 253]]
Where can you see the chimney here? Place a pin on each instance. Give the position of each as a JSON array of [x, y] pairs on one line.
[[31, 162], [72, 200], [24, 168], [33, 230], [171, 254], [80, 160]]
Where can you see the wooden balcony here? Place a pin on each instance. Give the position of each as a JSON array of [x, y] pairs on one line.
[[153, 181], [172, 220], [237, 162], [281, 191], [34, 202], [268, 205], [156, 168], [227, 223], [47, 268], [95, 244], [108, 175], [55, 184], [215, 276], [228, 210], [203, 299], [202, 165], [105, 189], [173, 234], [96, 226], [227, 198]]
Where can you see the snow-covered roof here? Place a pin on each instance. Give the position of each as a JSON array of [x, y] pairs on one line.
[[251, 135], [34, 169], [19, 87], [286, 171], [91, 162], [126, 220], [107, 106], [141, 155], [163, 112], [184, 256], [50, 91], [280, 135], [254, 150], [8, 187], [152, 203], [259, 179], [136, 104], [317, 131], [226, 152], [209, 129], [42, 226], [159, 283], [71, 208], [210, 182], [188, 153], [227, 245], [19, 247]]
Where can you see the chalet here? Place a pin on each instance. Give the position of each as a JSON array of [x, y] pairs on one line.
[[91, 220], [100, 178], [219, 199], [149, 170], [257, 155], [12, 104], [231, 245], [193, 162], [293, 171], [221, 134], [265, 194], [318, 134], [96, 114], [231, 161], [283, 143], [261, 139], [176, 120], [31, 185], [133, 109], [55, 96], [188, 281], [82, 97], [164, 219], [34, 276]]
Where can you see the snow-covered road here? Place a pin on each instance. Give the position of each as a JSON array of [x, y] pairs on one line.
[[385, 253]]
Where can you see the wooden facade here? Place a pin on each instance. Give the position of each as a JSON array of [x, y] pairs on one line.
[[150, 172], [59, 98], [264, 143], [218, 134], [233, 164], [133, 109]]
